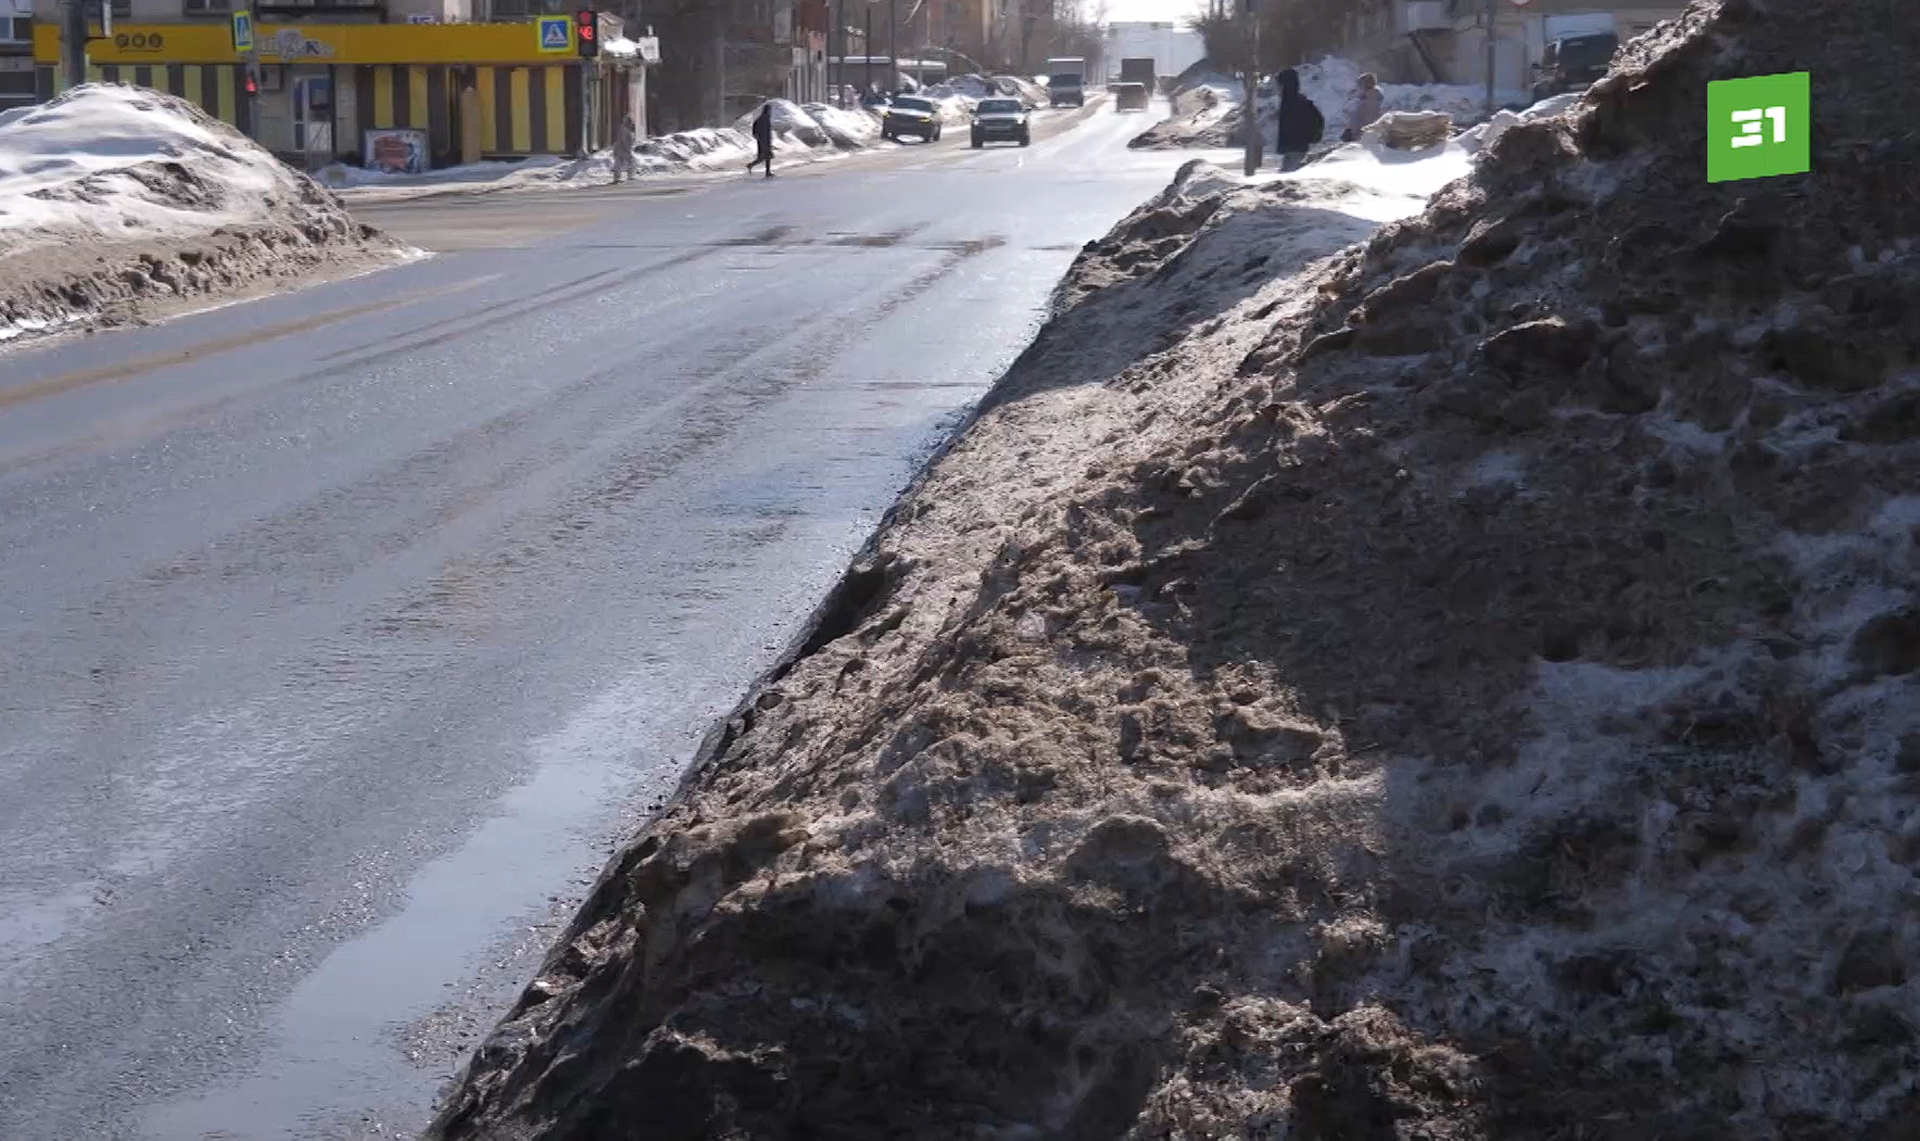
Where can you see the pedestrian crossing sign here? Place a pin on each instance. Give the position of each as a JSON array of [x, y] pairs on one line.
[[242, 32], [556, 33]]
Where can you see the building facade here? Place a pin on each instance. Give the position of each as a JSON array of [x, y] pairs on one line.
[[17, 83], [1445, 41], [405, 82]]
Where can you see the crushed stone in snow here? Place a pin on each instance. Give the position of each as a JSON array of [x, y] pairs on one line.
[[116, 200], [1321, 695]]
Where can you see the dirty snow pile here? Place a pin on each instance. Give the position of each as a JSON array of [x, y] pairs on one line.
[[798, 133], [1462, 685], [977, 87], [801, 133], [954, 105], [110, 194], [1206, 73], [1207, 113], [814, 126], [127, 164], [1482, 135]]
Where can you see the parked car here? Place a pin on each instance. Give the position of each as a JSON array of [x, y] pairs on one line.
[[1573, 63], [1130, 96], [911, 115], [1001, 120]]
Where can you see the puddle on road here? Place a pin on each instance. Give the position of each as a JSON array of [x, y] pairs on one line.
[[333, 1042]]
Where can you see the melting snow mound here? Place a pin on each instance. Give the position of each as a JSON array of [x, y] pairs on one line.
[[1461, 682], [115, 200], [125, 163]]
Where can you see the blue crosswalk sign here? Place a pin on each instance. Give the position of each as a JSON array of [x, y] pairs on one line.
[[556, 34]]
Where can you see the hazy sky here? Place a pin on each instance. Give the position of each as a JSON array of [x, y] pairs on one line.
[[1176, 10]]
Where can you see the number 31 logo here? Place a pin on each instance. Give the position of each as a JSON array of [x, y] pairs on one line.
[[1749, 121], [1759, 127]]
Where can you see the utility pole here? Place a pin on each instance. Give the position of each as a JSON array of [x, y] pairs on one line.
[[720, 74], [1493, 14], [866, 48], [73, 41], [893, 44], [1251, 116]]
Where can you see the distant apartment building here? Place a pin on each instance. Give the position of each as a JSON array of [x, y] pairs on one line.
[[418, 82], [1445, 41]]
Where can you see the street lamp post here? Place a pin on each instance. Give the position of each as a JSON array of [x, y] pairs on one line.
[[1493, 14], [1251, 116]]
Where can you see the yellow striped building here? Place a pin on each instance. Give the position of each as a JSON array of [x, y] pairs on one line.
[[474, 90]]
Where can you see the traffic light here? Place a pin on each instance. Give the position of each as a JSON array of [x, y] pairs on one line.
[[249, 83], [586, 26]]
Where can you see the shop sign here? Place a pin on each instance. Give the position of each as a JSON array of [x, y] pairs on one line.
[[135, 43], [292, 43], [330, 43]]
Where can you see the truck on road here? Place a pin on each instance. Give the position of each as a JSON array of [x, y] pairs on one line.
[[1138, 69], [1067, 81]]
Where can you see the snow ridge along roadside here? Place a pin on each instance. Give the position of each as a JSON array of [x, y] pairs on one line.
[[116, 202], [1460, 685]]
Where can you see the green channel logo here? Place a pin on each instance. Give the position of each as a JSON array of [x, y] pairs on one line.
[[1759, 127]]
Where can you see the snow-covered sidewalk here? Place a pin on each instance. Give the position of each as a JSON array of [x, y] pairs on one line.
[[811, 133], [113, 197]]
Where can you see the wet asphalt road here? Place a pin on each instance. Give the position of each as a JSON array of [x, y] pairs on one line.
[[344, 632]]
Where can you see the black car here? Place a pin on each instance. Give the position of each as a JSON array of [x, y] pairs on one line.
[[1572, 63], [909, 115], [1001, 120]]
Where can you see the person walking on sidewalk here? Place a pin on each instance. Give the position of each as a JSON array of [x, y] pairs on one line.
[[763, 140], [1367, 103], [623, 149], [1301, 123]]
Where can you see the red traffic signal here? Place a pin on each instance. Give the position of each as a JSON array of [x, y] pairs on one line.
[[250, 85], [586, 26]]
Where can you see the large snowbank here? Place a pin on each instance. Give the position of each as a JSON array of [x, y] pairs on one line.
[[123, 163], [119, 203], [1381, 184], [1332, 83], [1483, 135], [1467, 687], [814, 125], [1204, 75]]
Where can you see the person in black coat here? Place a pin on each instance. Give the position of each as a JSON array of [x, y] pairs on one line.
[[1301, 123], [763, 140]]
